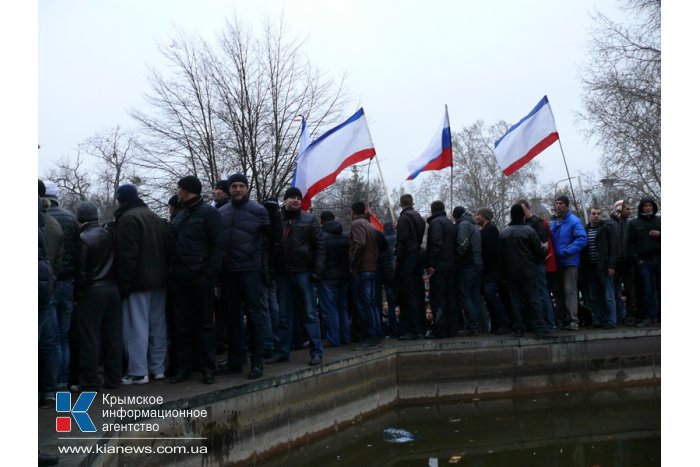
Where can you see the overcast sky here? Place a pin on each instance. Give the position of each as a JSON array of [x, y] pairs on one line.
[[405, 60]]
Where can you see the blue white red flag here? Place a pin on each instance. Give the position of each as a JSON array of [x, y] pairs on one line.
[[320, 163], [527, 138], [437, 155]]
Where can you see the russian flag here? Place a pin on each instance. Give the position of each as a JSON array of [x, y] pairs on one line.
[[527, 138], [320, 163], [438, 154]]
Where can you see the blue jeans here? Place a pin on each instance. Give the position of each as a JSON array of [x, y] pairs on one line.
[[601, 296], [271, 310], [469, 297], [363, 287], [650, 282], [62, 306], [525, 298], [546, 296], [333, 296], [49, 350], [292, 289]]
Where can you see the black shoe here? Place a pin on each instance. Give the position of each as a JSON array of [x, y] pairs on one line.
[[315, 361], [502, 331], [544, 333], [279, 358], [208, 376], [180, 376], [268, 353], [518, 333], [256, 372], [366, 345], [406, 337], [608, 326]]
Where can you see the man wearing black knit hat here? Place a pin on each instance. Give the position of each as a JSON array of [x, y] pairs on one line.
[[140, 239], [245, 223], [220, 194], [195, 263], [521, 252], [299, 260]]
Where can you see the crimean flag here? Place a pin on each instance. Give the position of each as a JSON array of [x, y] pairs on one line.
[[319, 164], [437, 155], [527, 138]]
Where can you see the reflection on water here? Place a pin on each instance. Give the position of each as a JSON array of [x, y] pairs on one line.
[[616, 427]]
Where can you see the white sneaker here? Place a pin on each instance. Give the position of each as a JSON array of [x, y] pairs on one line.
[[159, 376], [128, 379]]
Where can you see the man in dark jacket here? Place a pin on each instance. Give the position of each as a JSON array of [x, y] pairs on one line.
[[440, 265], [62, 298], [625, 272], [645, 249], [410, 292], [299, 262], [490, 254], [140, 242], [220, 194], [48, 327], [386, 279], [198, 251], [364, 264], [333, 286], [541, 228], [521, 252], [469, 266], [598, 261], [245, 225], [98, 318]]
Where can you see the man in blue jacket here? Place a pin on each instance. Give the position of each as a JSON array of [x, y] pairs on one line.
[[569, 238]]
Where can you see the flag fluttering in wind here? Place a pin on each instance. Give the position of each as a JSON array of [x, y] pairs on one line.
[[319, 164], [437, 155], [527, 138]]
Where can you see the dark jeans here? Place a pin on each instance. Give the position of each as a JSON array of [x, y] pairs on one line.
[[411, 294], [62, 302], [98, 327], [195, 335], [49, 350], [526, 304], [600, 294], [363, 288], [333, 297], [626, 277], [469, 296], [271, 310], [650, 282], [292, 289], [443, 304], [545, 296], [498, 312], [238, 288]]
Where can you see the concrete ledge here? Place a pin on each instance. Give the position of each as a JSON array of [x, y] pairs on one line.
[[257, 420]]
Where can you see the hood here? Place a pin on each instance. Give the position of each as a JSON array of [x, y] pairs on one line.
[[646, 199], [332, 227], [466, 217]]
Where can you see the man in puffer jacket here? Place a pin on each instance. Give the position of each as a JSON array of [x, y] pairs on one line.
[[569, 237], [645, 249], [469, 266], [245, 224], [440, 265]]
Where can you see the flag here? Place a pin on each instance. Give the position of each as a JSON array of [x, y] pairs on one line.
[[321, 162], [527, 138], [438, 155], [374, 220]]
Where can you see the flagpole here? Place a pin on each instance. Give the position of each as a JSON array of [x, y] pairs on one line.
[[571, 185], [452, 205], [381, 177]]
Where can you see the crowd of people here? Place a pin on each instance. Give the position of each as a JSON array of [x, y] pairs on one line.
[[127, 300]]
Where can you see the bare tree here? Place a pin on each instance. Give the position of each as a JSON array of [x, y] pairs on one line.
[[478, 180], [73, 181], [622, 97], [115, 150]]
